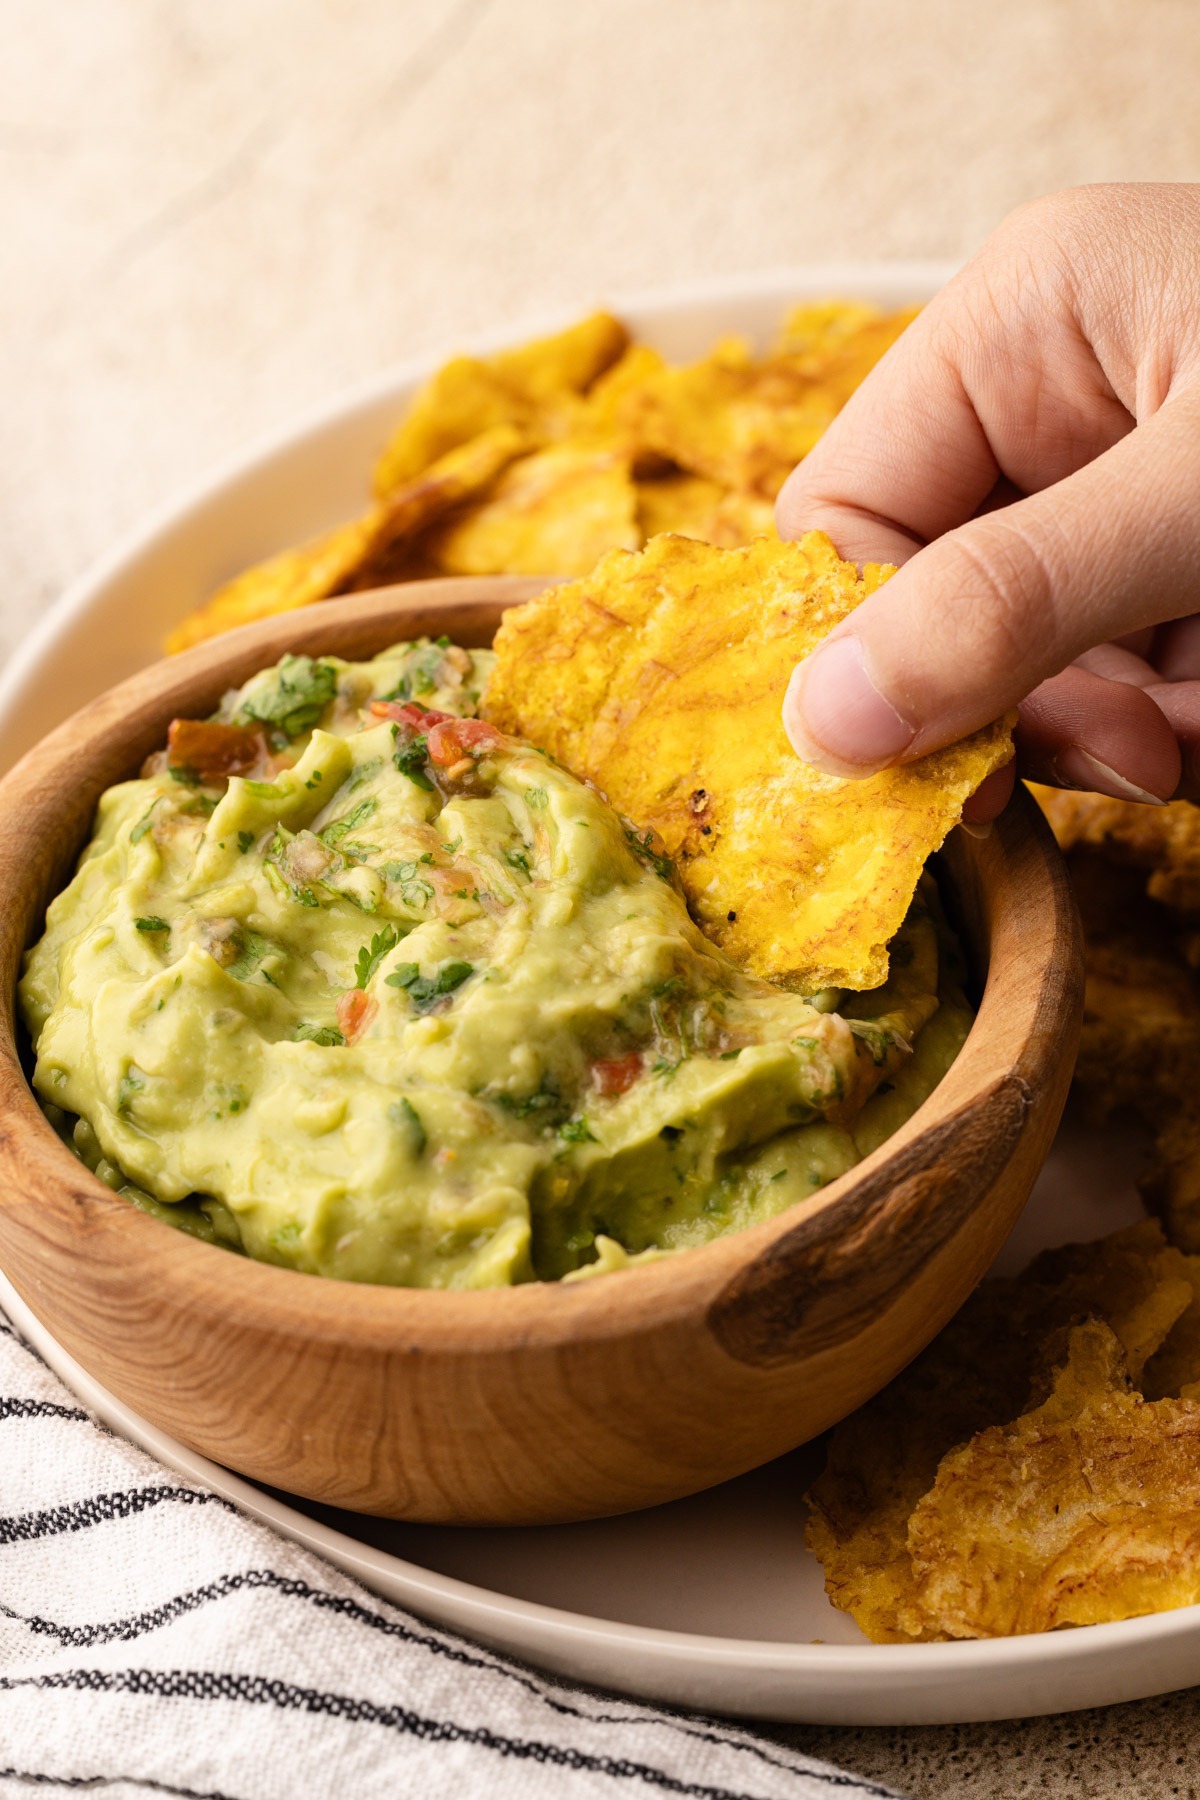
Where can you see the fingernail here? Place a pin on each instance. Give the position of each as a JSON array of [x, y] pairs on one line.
[[983, 830], [836, 717], [1075, 768]]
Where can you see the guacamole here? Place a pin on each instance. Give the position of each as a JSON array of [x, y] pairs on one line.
[[352, 982]]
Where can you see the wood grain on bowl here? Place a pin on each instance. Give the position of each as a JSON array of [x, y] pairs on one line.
[[543, 1402]]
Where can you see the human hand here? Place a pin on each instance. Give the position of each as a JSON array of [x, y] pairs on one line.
[[1029, 451]]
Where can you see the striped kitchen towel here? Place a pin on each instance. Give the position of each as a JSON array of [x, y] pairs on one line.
[[154, 1640]]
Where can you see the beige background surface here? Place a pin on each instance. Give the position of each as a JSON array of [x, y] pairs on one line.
[[214, 213]]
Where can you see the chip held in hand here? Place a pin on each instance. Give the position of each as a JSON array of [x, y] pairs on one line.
[[660, 678]]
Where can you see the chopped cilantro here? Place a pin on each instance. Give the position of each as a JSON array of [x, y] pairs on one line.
[[421, 675], [403, 1113], [413, 891], [369, 959], [779, 1175], [130, 1084], [728, 1055], [251, 951], [452, 848], [411, 759], [184, 774], [878, 1039], [543, 1099], [143, 825], [294, 699], [536, 798], [278, 876], [643, 848], [245, 841], [426, 990], [152, 923], [317, 1034], [358, 815], [577, 1131], [518, 859]]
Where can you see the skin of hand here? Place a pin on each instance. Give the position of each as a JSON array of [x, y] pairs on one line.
[[1029, 452]]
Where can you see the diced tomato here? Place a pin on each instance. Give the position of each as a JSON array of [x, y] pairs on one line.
[[407, 713], [355, 1010], [214, 751], [452, 739], [616, 1075]]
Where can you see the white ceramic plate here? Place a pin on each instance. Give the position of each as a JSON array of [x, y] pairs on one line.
[[712, 1602]]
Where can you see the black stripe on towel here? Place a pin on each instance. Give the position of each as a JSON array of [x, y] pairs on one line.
[[13, 1408], [124, 1630], [36, 1778], [99, 1509], [259, 1690]]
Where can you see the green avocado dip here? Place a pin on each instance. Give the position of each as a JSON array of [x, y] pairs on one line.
[[350, 982]]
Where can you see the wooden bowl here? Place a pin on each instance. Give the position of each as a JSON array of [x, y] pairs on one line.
[[542, 1402]]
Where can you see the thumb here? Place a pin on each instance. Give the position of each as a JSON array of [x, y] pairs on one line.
[[975, 621]]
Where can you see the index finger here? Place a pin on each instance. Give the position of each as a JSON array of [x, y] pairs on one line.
[[994, 381]]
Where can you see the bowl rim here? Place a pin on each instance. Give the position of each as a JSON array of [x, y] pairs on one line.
[[450, 1321]]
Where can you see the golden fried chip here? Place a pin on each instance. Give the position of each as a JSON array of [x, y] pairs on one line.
[[977, 1373], [1086, 1509], [355, 554], [553, 513], [1141, 1022], [884, 1457], [1171, 1185], [1132, 1279], [1174, 1369], [839, 342], [821, 325], [610, 412], [692, 506], [744, 424], [660, 678], [1162, 839], [532, 388]]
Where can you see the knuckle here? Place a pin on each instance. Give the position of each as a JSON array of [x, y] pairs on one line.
[[1004, 616]]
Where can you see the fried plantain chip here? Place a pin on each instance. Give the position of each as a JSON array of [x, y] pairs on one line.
[[745, 424], [1084, 1510], [611, 411], [355, 554], [1173, 1372], [532, 388], [1164, 840], [884, 1457], [553, 513], [695, 507], [839, 342], [660, 679], [978, 1373]]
